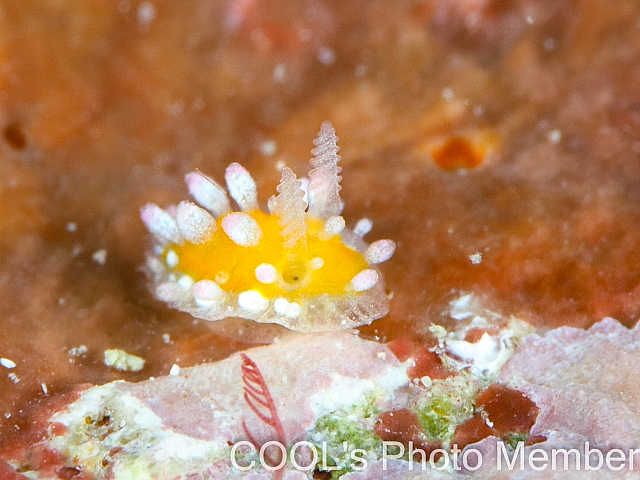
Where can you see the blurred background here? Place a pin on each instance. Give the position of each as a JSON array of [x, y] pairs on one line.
[[496, 141]]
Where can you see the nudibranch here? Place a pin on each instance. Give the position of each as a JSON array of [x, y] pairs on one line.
[[297, 265]]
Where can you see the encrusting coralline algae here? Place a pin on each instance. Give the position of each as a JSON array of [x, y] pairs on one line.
[[297, 265]]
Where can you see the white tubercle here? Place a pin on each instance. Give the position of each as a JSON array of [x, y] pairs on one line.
[[208, 193], [363, 226], [317, 263], [364, 280], [208, 293], [185, 282], [286, 308], [333, 226], [160, 223], [379, 251], [266, 273], [241, 186], [196, 224], [252, 301], [172, 259], [242, 229]]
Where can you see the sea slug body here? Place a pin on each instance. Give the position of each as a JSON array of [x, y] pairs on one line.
[[297, 265]]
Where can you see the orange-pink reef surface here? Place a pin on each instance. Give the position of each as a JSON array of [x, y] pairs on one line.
[[497, 143]]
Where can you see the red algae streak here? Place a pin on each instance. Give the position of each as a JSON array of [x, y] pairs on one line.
[[105, 107], [425, 362], [501, 412], [472, 431], [403, 426], [510, 411]]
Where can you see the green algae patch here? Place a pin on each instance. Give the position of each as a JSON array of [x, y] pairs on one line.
[[447, 404], [342, 439]]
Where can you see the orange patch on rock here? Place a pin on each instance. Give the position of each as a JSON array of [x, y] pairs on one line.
[[458, 153]]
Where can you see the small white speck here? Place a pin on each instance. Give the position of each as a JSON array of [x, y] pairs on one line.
[[382, 355], [280, 164], [76, 250], [71, 227], [62, 301], [123, 361], [221, 277], [166, 338], [176, 108], [280, 73], [361, 70], [185, 282], [317, 263], [426, 381], [7, 415], [146, 13], [45, 390], [530, 19], [447, 94], [555, 136], [450, 230], [14, 378], [175, 370], [478, 110], [476, 258], [549, 44], [77, 351], [284, 379], [172, 259], [268, 148], [6, 363], [489, 423], [198, 104], [100, 256], [326, 56]]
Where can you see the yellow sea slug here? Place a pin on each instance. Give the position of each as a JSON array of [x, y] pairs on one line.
[[297, 265]]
